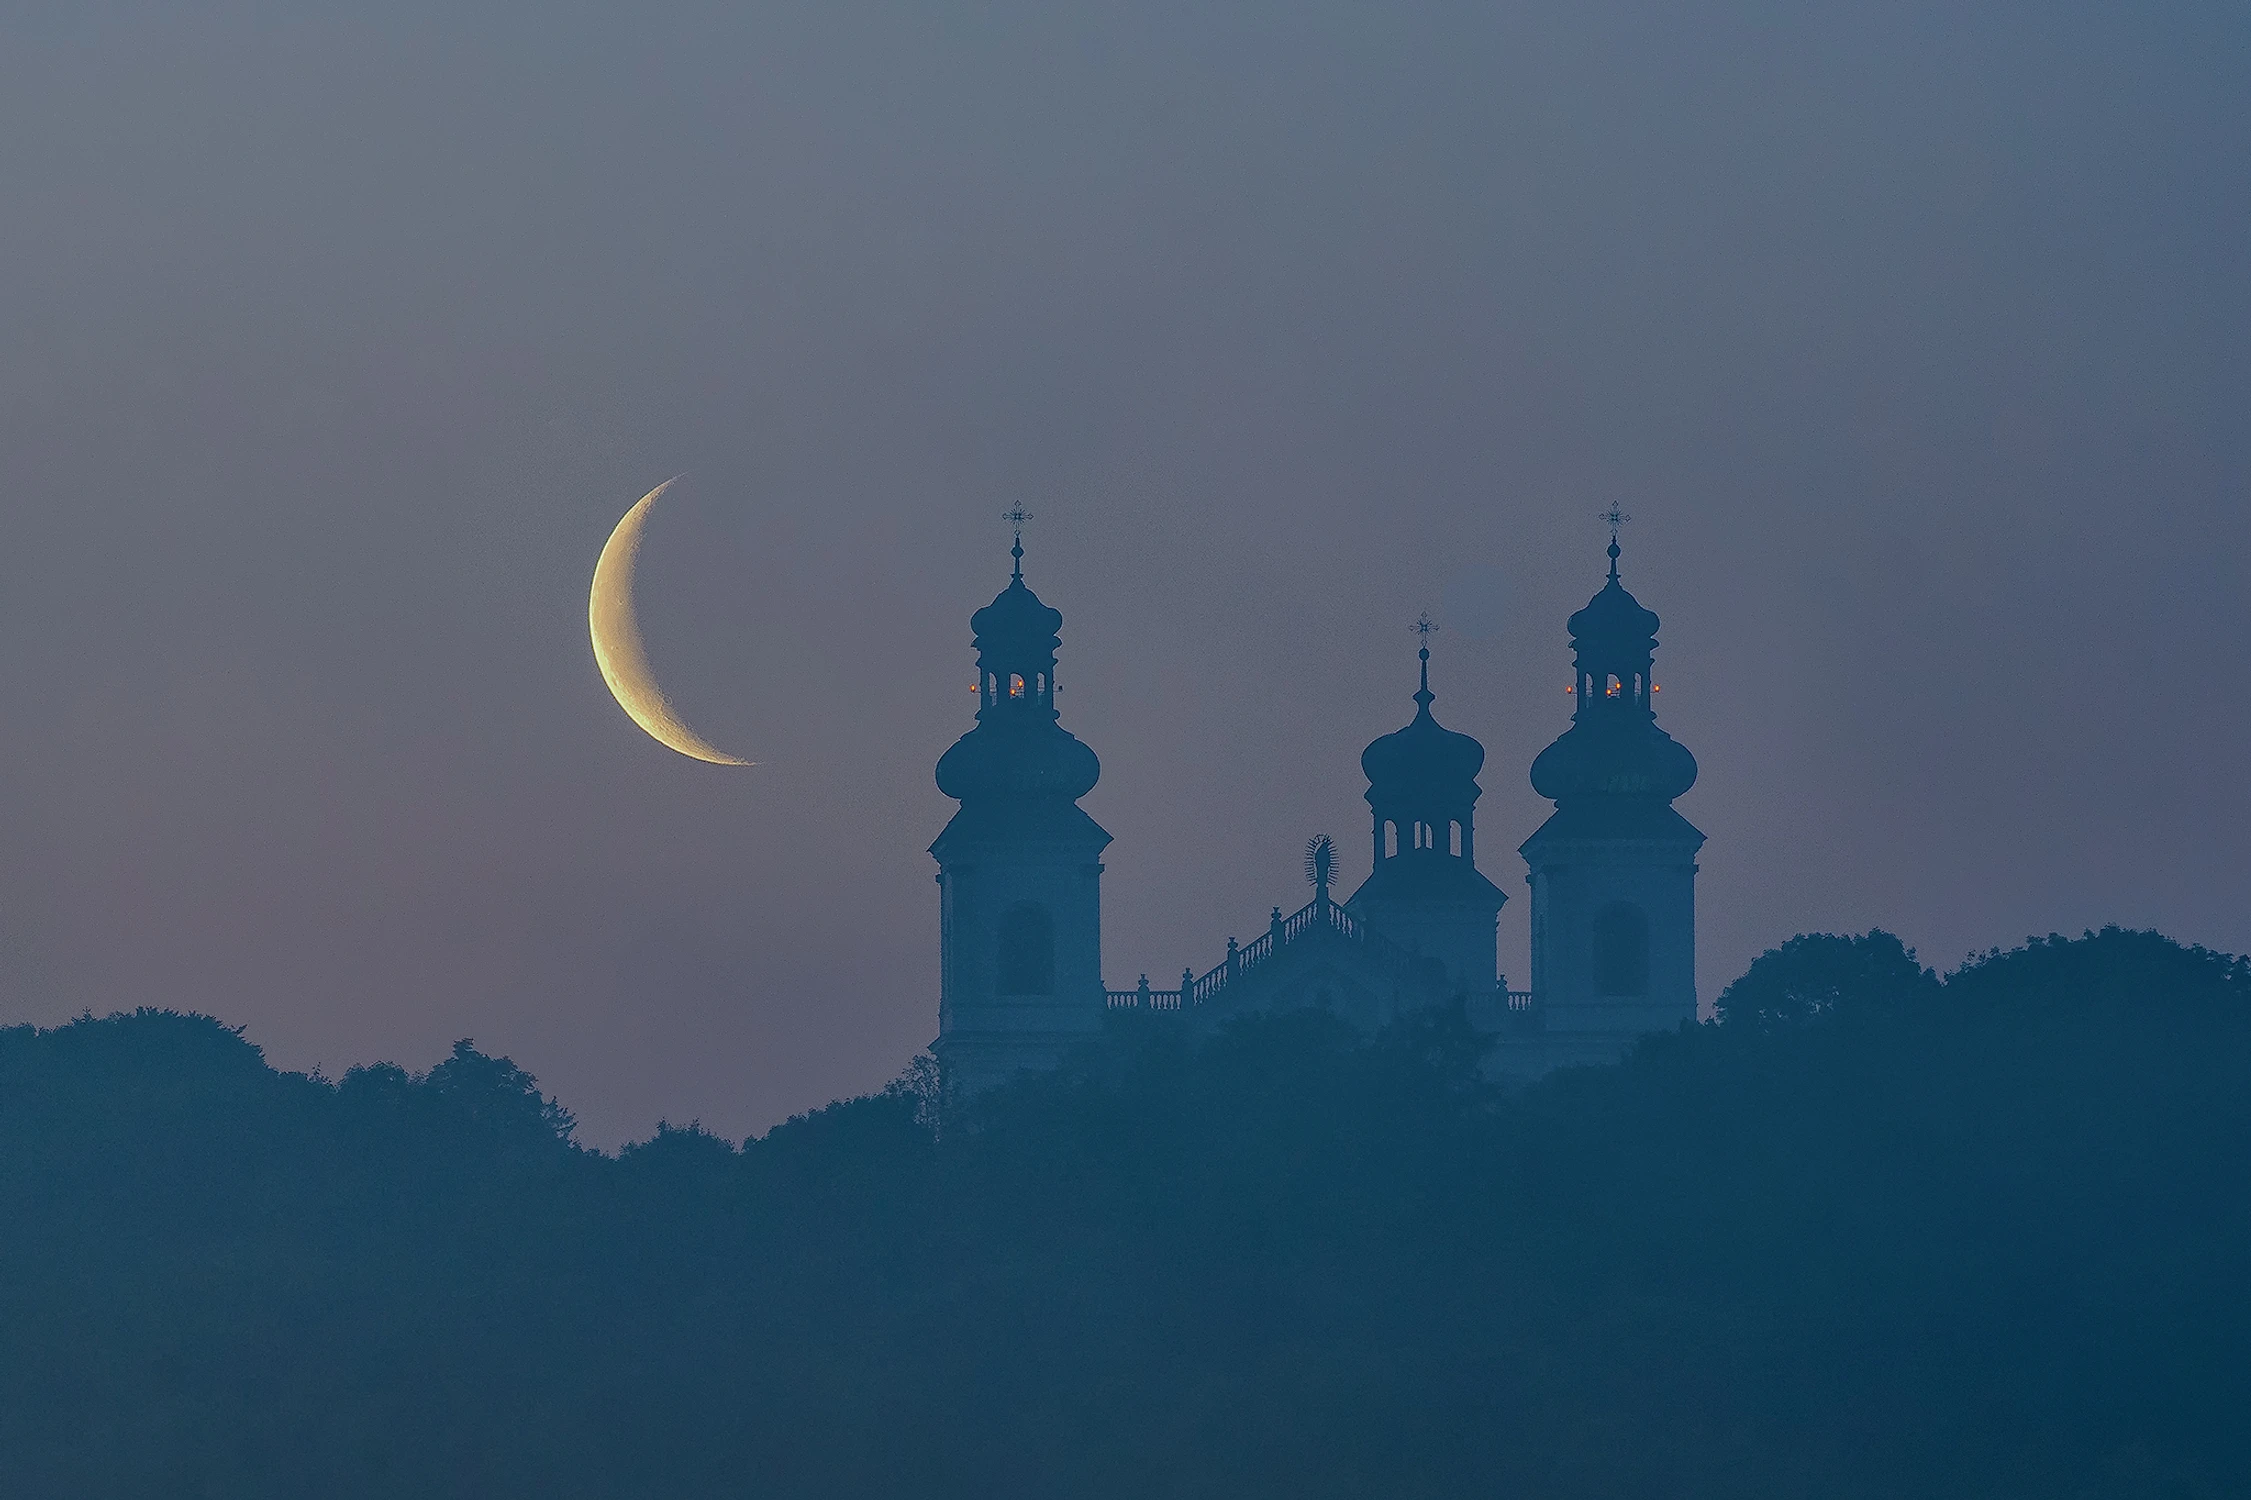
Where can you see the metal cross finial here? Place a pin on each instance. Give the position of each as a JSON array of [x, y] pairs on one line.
[[1424, 625], [1016, 516], [1615, 517]]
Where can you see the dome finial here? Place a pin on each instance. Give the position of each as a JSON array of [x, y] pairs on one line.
[[1424, 626], [1016, 516], [1615, 518]]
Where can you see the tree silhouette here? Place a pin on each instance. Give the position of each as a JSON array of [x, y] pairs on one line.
[[1817, 973], [1877, 1233]]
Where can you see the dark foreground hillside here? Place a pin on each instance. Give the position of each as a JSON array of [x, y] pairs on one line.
[[1874, 1235]]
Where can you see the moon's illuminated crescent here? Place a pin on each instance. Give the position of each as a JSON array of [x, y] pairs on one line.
[[617, 641]]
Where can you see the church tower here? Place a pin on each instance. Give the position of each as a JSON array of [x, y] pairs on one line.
[[1613, 871], [1424, 891], [1020, 865]]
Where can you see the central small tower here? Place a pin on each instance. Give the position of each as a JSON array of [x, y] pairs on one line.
[[1020, 865], [1424, 891]]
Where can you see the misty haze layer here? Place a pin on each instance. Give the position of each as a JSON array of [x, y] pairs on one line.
[[1916, 342]]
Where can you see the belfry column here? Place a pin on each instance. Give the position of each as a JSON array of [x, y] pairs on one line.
[[1020, 865]]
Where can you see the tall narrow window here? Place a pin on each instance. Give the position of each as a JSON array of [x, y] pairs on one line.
[[1621, 950], [1027, 951]]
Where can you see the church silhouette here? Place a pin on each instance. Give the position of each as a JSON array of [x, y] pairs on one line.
[[1612, 872]]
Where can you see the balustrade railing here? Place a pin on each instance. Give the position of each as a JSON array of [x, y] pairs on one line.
[[1321, 912], [1141, 997]]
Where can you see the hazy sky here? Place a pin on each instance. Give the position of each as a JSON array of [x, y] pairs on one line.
[[337, 338]]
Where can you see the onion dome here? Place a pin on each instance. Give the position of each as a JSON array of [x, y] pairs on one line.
[[1016, 627], [1423, 759], [1590, 760], [1614, 621], [995, 761]]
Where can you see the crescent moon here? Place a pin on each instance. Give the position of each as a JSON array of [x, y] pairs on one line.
[[617, 641]]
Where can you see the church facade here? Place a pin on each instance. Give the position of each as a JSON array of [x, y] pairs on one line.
[[1612, 874]]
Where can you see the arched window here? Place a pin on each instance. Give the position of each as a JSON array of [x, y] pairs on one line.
[[1027, 951], [1454, 839], [1390, 840], [1621, 950]]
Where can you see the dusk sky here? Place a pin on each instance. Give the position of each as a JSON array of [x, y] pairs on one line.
[[1916, 338]]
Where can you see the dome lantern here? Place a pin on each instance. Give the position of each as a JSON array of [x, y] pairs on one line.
[[1614, 747], [1017, 750]]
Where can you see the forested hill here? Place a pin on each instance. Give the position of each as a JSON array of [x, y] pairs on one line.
[[1876, 1233]]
